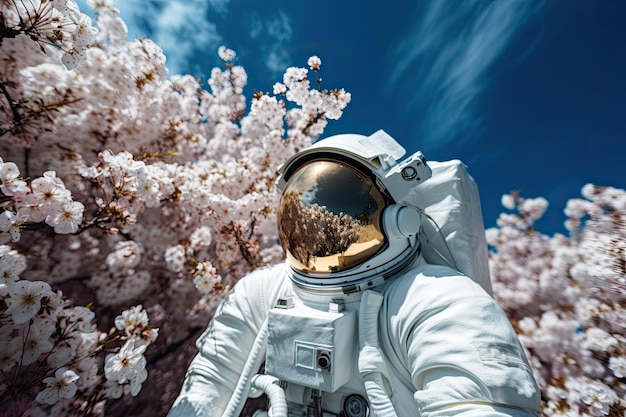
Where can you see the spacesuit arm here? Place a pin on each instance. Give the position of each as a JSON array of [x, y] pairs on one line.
[[461, 351], [225, 345]]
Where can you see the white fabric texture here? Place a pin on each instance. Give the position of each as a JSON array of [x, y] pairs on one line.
[[448, 347], [450, 197]]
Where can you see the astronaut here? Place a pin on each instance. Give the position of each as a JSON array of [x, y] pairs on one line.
[[358, 322]]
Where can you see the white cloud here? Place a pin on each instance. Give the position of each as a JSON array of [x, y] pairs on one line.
[[220, 6], [273, 36], [181, 27], [279, 28], [256, 26], [445, 61], [277, 60]]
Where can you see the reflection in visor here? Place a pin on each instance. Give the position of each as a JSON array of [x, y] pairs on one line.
[[329, 218]]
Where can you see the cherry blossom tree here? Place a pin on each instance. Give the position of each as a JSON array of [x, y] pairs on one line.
[[122, 185], [131, 199], [566, 296]]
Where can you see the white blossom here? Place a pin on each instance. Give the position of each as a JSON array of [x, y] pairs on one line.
[[206, 277], [10, 223], [80, 316], [201, 237], [36, 341], [598, 339], [132, 321], [127, 364], [67, 218], [508, 201], [226, 54], [314, 62], [279, 88], [534, 207], [8, 171], [10, 183], [617, 364], [61, 385], [126, 254], [25, 298], [598, 398], [12, 264], [175, 258]]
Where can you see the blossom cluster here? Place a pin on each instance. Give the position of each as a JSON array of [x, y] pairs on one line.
[[59, 23], [52, 349], [45, 199], [566, 297]]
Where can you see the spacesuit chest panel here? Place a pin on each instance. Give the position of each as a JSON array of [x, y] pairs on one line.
[[314, 353]]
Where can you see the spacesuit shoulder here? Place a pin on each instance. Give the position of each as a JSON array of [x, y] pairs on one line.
[[432, 282], [442, 329], [262, 287]]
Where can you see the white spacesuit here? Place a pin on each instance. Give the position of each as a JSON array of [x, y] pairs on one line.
[[360, 321]]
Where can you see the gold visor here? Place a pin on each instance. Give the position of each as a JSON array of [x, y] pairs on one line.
[[329, 218]]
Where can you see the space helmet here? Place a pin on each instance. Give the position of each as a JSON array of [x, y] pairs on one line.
[[341, 218]]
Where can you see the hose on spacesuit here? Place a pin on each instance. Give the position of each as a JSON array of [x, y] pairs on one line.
[[240, 393], [371, 364], [276, 395]]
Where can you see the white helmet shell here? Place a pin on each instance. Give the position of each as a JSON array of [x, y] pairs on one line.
[[342, 220]]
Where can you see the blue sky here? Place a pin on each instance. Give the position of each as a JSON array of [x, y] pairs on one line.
[[530, 94]]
